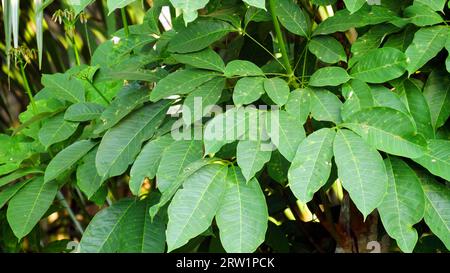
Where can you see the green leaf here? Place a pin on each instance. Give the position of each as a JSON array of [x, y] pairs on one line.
[[79, 5], [292, 17], [147, 162], [358, 96], [65, 159], [437, 94], [427, 43], [180, 82], [325, 106], [256, 15], [242, 68], [121, 144], [404, 204], [354, 5], [361, 171], [261, 4], [327, 49], [126, 101], [299, 104], [436, 5], [380, 65], [248, 90], [242, 216], [412, 96], [329, 76], [18, 174], [285, 132], [200, 102], [194, 207], [384, 97], [56, 129], [422, 15], [8, 192], [311, 166], [174, 159], [117, 4], [437, 210], [64, 87], [199, 35], [88, 180], [205, 59], [189, 8], [278, 90], [27, 207], [343, 20], [437, 158], [83, 111], [251, 156], [388, 130]]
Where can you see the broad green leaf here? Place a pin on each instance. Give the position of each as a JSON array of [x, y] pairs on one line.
[[174, 159], [180, 82], [121, 144], [201, 101], [56, 129], [242, 215], [88, 180], [117, 4], [278, 167], [343, 20], [436, 5], [194, 207], [437, 94], [327, 49], [437, 158], [187, 171], [18, 174], [65, 159], [64, 87], [248, 90], [292, 17], [141, 234], [388, 130], [205, 59], [285, 132], [147, 162], [380, 65], [256, 15], [27, 207], [422, 15], [242, 68], [189, 8], [354, 5], [277, 90], [6, 193], [361, 171], [404, 204], [311, 166], [401, 40], [358, 96], [83, 111], [299, 104], [329, 76], [199, 35], [323, 2], [227, 127], [126, 101], [384, 97], [412, 96], [437, 209], [251, 156], [325, 106], [257, 3], [79, 5], [427, 43]]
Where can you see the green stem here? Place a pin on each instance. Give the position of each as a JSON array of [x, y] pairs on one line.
[[281, 43], [124, 21], [27, 87], [71, 214], [75, 51], [98, 92], [88, 40], [304, 67], [265, 49]]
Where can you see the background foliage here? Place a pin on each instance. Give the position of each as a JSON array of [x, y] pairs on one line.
[[87, 152]]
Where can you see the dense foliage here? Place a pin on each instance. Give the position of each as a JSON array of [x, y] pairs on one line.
[[353, 142]]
